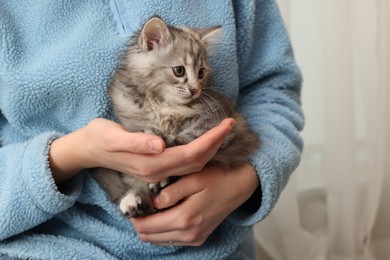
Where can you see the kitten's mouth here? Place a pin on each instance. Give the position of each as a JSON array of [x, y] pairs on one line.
[[192, 97], [186, 95]]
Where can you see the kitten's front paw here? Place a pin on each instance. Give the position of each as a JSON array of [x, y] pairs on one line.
[[155, 188], [132, 205]]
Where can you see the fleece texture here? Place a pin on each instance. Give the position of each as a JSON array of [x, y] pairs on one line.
[[56, 61]]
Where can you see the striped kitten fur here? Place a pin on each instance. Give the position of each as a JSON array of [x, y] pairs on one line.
[[163, 88]]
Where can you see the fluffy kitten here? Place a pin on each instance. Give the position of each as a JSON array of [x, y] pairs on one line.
[[163, 87]]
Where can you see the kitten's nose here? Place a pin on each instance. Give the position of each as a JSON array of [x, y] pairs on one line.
[[193, 91]]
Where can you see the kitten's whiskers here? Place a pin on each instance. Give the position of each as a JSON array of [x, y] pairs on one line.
[[212, 106]]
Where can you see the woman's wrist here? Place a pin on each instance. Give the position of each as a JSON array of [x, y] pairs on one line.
[[66, 158], [249, 179]]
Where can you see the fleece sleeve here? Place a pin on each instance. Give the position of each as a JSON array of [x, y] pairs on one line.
[[55, 62], [28, 193], [270, 84]]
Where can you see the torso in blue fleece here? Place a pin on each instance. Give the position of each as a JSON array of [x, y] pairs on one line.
[[56, 61]]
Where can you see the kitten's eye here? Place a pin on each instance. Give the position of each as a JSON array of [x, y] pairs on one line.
[[201, 73], [179, 71]]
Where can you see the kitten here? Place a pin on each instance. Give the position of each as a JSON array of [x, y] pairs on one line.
[[163, 87]]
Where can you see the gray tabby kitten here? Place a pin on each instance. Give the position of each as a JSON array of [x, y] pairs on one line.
[[163, 88]]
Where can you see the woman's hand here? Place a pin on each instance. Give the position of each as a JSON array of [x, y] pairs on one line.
[[201, 201], [103, 143]]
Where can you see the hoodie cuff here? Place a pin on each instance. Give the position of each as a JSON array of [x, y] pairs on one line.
[[40, 182], [263, 199]]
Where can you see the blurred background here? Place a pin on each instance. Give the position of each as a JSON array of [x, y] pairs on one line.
[[336, 205]]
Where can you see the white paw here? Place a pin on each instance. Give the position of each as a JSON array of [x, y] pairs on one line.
[[160, 184], [129, 204], [163, 183], [156, 187], [153, 185]]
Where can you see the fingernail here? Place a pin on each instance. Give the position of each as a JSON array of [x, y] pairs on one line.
[[157, 202], [155, 146], [230, 122]]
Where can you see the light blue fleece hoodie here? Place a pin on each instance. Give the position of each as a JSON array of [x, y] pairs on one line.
[[56, 61]]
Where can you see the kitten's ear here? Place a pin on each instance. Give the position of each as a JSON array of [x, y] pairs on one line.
[[154, 34], [210, 37]]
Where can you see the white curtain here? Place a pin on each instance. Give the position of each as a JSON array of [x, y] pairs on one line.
[[335, 205]]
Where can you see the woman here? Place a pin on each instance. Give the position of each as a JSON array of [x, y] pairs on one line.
[[56, 61]]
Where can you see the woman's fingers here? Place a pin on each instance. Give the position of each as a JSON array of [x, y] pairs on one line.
[[205, 199], [184, 159], [180, 224], [115, 138], [176, 192], [213, 136], [139, 143]]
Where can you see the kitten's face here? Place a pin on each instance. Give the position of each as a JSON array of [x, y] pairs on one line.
[[177, 60], [183, 68]]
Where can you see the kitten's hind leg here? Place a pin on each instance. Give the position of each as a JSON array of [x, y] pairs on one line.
[[136, 204], [129, 204], [137, 200]]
